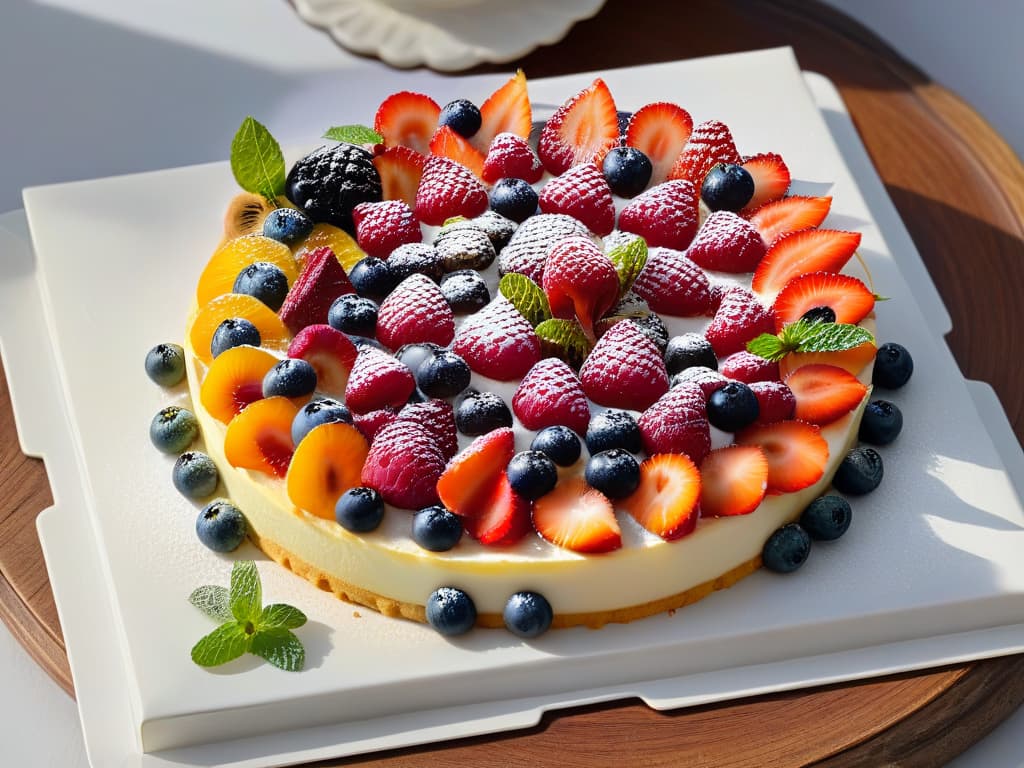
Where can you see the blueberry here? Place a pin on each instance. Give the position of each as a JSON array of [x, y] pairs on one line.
[[613, 429], [436, 529], [532, 474], [465, 290], [481, 412], [287, 225], [822, 314], [443, 375], [558, 443], [292, 377], [165, 364], [450, 611], [623, 118], [372, 278], [263, 281], [859, 472], [367, 341], [514, 199], [615, 473], [413, 355], [316, 412], [415, 258], [221, 526], [732, 407], [195, 475], [359, 510], [827, 518], [689, 351], [881, 423], [627, 171], [234, 332], [353, 314], [786, 549], [528, 614], [173, 429], [462, 116], [727, 187], [893, 366]]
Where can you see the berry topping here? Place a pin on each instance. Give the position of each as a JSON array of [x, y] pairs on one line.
[[504, 517], [672, 284], [415, 311], [740, 318], [447, 143], [359, 510], [558, 443], [775, 401], [326, 464], [400, 169], [532, 474], [660, 131], [824, 392], [373, 422], [734, 481], [665, 501], [233, 332], [859, 472], [527, 614], [790, 214], [464, 247], [796, 453], [438, 418], [583, 193], [377, 380], [893, 366], [527, 251], [462, 116], [687, 351], [330, 353], [577, 517], [260, 437], [165, 364], [881, 423], [665, 215], [624, 370], [469, 480], [786, 549], [627, 171], [407, 119], [287, 225], [332, 180], [810, 250], [221, 526], [436, 529], [847, 297], [511, 156], [443, 375], [264, 281], [748, 368], [677, 423], [818, 314], [353, 314], [709, 144], [413, 259], [465, 291], [614, 472], [382, 227], [580, 281], [827, 518], [403, 465], [581, 130], [450, 611], [771, 179], [322, 280], [507, 110], [292, 377], [173, 429], [481, 412], [514, 199], [316, 412], [448, 189], [195, 476], [732, 407], [372, 279], [551, 394], [727, 243], [704, 378], [727, 187], [498, 342], [613, 428]]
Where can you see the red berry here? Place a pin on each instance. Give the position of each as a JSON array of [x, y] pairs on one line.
[[748, 368], [672, 284], [582, 130], [733, 481], [577, 517], [740, 318], [811, 250], [824, 393], [775, 401], [330, 353], [727, 243], [448, 189], [415, 311], [677, 423], [498, 342], [382, 227], [624, 369], [377, 380], [771, 179], [374, 421], [660, 131], [447, 143], [322, 280], [665, 502], [467, 483], [507, 110], [438, 418], [583, 193], [790, 214], [551, 394], [400, 169], [665, 215], [403, 465], [709, 144], [580, 281], [796, 453], [527, 251], [511, 157], [847, 296], [407, 119]]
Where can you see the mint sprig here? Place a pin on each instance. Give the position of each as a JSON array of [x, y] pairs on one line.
[[246, 626], [526, 296], [809, 336], [564, 339], [629, 260], [353, 134], [257, 161]]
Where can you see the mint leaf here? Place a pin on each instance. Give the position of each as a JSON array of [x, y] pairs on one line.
[[281, 648], [564, 339], [453, 220], [767, 346], [246, 592], [214, 601], [526, 296], [629, 259], [281, 616], [225, 643], [835, 337], [257, 161], [354, 134]]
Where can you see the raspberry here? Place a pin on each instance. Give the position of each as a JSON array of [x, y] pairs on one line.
[[748, 368], [739, 318], [624, 369], [415, 311], [403, 465], [528, 249], [498, 342], [709, 144], [672, 284], [377, 380], [665, 215], [382, 227], [511, 156], [727, 243], [448, 189], [580, 281], [775, 401], [551, 394], [438, 418], [583, 193], [677, 423]]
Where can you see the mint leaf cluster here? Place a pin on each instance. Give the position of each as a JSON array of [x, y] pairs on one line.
[[809, 336], [526, 296], [246, 626], [257, 161]]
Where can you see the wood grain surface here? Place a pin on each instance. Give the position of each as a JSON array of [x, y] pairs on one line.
[[960, 191]]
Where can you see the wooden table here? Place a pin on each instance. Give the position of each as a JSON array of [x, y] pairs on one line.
[[960, 191]]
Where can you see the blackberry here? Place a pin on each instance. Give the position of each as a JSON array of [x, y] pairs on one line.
[[330, 181], [465, 290]]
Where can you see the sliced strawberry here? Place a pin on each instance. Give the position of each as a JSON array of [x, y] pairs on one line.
[[665, 502], [577, 517], [847, 296], [447, 143], [790, 214], [504, 517], [507, 110], [771, 179], [824, 393], [468, 481], [811, 250], [400, 169], [511, 156], [407, 119], [660, 131], [853, 360], [709, 144], [733, 481], [796, 453], [582, 130], [330, 353]]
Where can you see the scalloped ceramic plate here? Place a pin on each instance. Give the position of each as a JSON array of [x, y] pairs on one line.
[[447, 35]]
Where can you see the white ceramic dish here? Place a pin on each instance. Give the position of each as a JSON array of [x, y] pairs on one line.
[[944, 566]]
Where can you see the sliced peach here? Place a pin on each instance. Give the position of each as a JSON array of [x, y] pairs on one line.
[[852, 360], [235, 255], [235, 380], [273, 334], [260, 437], [345, 248], [327, 462]]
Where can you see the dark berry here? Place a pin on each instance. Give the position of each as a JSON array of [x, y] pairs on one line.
[[263, 281], [450, 611], [413, 355], [623, 119], [732, 407], [627, 171], [436, 529], [727, 187], [287, 225], [165, 364], [654, 328], [462, 116], [359, 510], [331, 181], [822, 314], [464, 246], [881, 423], [559, 443], [494, 225], [292, 377], [443, 375], [372, 278], [859, 472], [415, 258], [689, 350], [316, 412], [465, 291], [173, 429], [353, 314], [528, 614], [195, 475], [481, 412], [234, 332], [514, 199], [532, 474], [613, 429], [221, 526], [827, 518], [893, 366], [615, 473], [786, 549], [367, 341]]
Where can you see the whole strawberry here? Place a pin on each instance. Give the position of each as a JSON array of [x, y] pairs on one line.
[[580, 281], [583, 193], [498, 342], [448, 189], [624, 369], [415, 311], [740, 318], [665, 215], [672, 284], [382, 227], [677, 423], [549, 395]]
